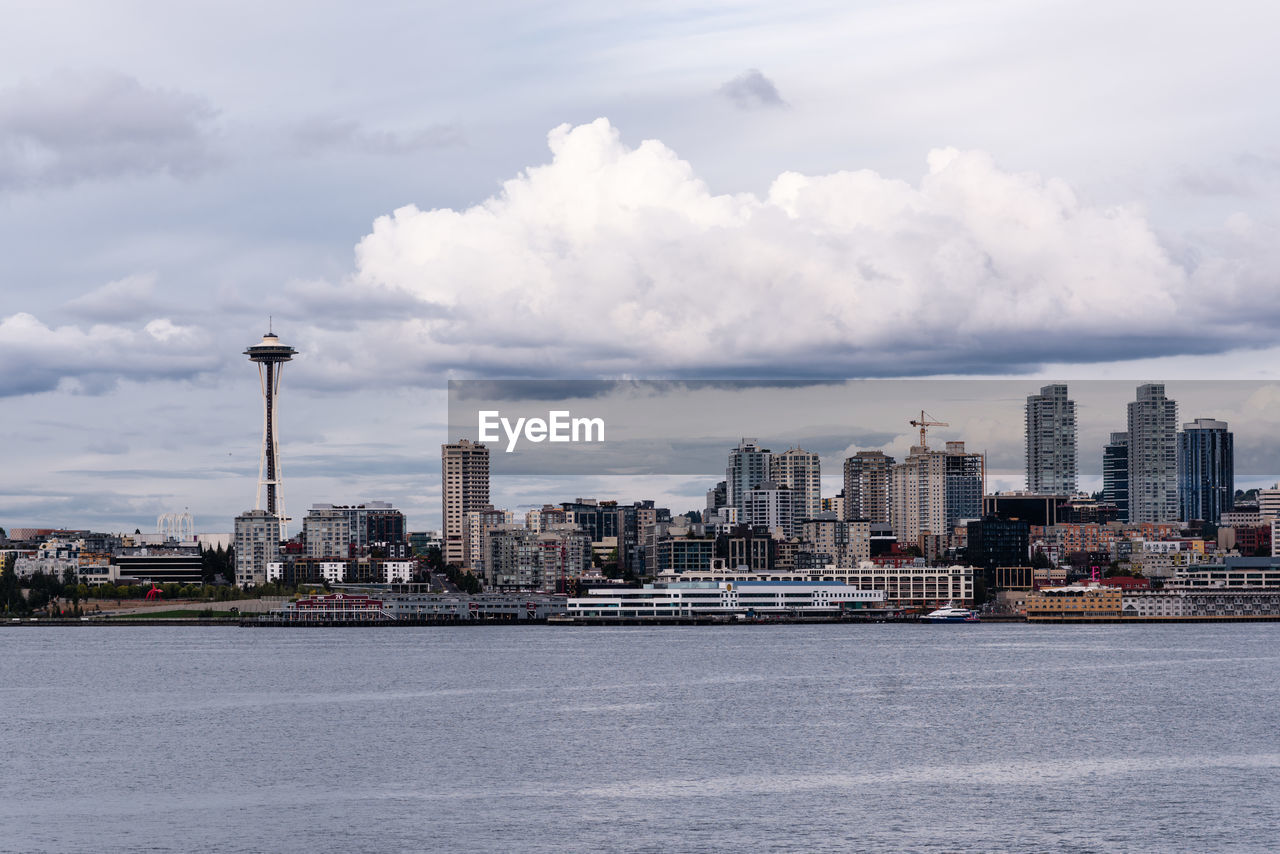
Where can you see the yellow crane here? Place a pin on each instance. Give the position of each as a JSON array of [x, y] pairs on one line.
[[923, 423]]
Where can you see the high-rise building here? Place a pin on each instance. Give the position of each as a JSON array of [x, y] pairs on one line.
[[327, 533], [965, 475], [801, 472], [932, 491], [464, 488], [1153, 456], [1051, 441], [477, 527], [716, 497], [519, 559], [772, 506], [866, 486], [844, 543], [1206, 470], [748, 467], [257, 542], [1115, 474]]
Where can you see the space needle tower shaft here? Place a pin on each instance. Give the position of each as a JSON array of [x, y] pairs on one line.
[[270, 356]]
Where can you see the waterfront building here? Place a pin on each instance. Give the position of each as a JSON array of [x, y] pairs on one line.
[[867, 477], [257, 541], [1174, 603], [1231, 572], [914, 586], [1115, 474], [801, 472], [688, 600], [464, 488], [1153, 456], [911, 586], [1076, 602], [1051, 441], [749, 466], [1206, 470]]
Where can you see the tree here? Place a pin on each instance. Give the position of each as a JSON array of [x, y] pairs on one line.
[[1040, 560], [11, 596]]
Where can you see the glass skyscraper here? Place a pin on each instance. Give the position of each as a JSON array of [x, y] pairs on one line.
[[1206, 470]]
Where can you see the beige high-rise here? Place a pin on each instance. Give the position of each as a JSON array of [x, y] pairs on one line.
[[801, 472], [464, 488], [866, 486]]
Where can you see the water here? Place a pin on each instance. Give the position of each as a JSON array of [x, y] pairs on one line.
[[740, 738]]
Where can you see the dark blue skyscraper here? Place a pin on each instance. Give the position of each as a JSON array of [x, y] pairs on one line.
[[1115, 473], [1206, 470]]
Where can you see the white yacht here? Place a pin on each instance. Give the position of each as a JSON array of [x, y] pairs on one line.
[[951, 614]]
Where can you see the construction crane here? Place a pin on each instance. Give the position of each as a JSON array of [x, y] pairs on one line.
[[923, 423]]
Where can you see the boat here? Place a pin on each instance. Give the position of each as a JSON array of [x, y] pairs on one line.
[[951, 614]]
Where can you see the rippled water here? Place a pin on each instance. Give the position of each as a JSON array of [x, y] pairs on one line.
[[745, 738]]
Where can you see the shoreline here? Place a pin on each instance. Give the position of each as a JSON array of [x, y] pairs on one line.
[[628, 622]]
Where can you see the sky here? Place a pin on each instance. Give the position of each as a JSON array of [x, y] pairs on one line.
[[1044, 190]]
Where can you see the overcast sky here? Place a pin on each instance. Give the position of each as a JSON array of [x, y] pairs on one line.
[[752, 190]]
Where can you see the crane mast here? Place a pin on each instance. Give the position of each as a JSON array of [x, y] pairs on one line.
[[924, 423]]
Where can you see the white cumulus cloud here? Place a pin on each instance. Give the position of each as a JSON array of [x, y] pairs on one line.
[[614, 259]]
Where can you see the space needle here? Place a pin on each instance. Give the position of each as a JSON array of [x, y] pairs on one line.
[[270, 356]]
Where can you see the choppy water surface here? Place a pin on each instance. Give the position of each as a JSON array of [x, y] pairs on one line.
[[744, 738]]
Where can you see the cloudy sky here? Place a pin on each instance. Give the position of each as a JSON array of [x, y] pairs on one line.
[[732, 189]]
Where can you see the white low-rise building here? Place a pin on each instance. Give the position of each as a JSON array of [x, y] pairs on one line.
[[903, 586], [25, 567], [397, 571]]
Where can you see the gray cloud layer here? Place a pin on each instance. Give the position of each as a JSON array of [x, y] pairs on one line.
[[317, 135], [74, 127]]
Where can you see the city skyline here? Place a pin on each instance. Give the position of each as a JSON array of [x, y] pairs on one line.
[[986, 408], [728, 193]]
